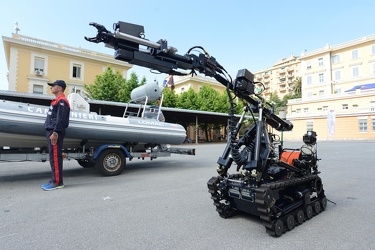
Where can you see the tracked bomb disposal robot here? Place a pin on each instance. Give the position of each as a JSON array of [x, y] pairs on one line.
[[281, 186]]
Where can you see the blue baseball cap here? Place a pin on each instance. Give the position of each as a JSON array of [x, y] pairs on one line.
[[61, 83]]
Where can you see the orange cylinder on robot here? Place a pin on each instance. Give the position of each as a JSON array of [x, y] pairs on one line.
[[288, 156]]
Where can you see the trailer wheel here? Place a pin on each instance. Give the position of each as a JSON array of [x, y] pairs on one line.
[[86, 163], [111, 162]]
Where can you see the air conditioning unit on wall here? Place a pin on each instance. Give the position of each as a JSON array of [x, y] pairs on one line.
[[38, 72]]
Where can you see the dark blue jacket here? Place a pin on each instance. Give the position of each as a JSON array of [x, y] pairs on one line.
[[58, 115]]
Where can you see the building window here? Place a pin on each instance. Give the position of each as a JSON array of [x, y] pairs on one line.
[[309, 94], [344, 106], [335, 59], [321, 92], [298, 110], [308, 64], [320, 62], [373, 49], [305, 110], [362, 125], [38, 65], [372, 105], [355, 71], [372, 68], [325, 108], [321, 77], [338, 90], [182, 90], [76, 73], [309, 80], [309, 125], [355, 54], [373, 124], [37, 89], [337, 75]]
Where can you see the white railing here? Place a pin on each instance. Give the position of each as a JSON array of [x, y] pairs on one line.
[[45, 43]]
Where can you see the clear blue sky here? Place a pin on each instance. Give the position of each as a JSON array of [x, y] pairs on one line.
[[238, 33]]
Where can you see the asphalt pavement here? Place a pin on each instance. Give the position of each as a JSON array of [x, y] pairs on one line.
[[164, 204]]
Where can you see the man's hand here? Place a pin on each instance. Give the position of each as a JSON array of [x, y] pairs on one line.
[[54, 138]]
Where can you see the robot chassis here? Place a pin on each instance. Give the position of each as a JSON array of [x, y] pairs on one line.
[[281, 186]]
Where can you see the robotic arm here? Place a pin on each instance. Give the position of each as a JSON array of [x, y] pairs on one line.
[[128, 38]]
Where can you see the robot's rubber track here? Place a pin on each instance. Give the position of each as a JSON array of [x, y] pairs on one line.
[[223, 209], [275, 225]]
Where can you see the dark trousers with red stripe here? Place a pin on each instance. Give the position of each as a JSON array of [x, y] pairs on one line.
[[55, 158]]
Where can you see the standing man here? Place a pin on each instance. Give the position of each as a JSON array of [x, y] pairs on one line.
[[56, 122]]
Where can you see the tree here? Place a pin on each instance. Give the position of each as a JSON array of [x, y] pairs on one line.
[[297, 87], [223, 103], [296, 92], [107, 86], [129, 85], [188, 100], [207, 99], [275, 100], [112, 86], [170, 98]]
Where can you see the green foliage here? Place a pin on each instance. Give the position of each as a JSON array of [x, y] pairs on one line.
[[170, 98], [296, 93], [131, 84], [111, 86], [106, 86], [207, 98], [297, 87], [275, 100], [223, 103], [188, 100]]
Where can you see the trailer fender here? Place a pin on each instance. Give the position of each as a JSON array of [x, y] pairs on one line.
[[105, 146]]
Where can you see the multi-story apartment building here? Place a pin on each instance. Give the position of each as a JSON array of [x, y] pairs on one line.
[[338, 92], [280, 77], [33, 62]]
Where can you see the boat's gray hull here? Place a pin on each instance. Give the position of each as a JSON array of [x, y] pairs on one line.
[[22, 125]]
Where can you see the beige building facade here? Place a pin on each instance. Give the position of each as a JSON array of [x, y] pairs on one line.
[[33, 62], [196, 82], [338, 92]]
